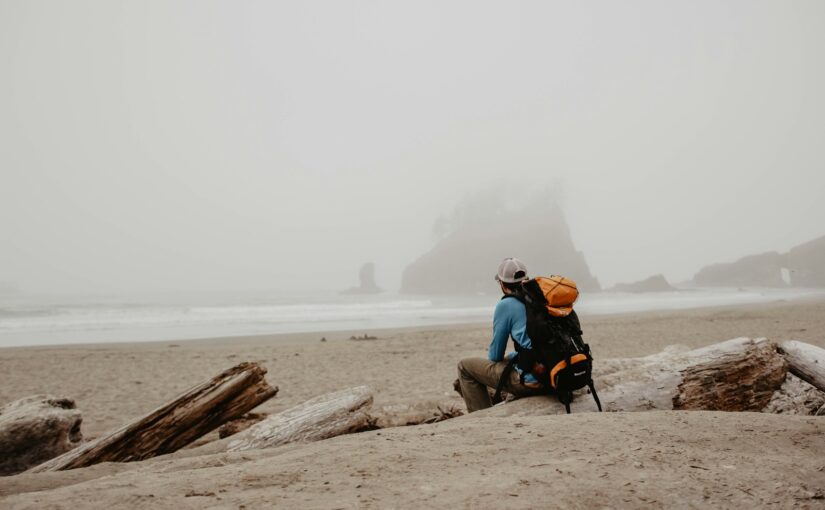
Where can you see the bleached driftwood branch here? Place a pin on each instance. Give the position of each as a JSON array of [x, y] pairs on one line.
[[322, 417], [806, 362], [176, 424]]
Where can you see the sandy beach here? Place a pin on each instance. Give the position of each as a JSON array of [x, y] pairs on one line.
[[663, 459], [253, 254]]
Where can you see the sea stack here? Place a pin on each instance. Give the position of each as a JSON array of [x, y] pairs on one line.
[[464, 261], [367, 284], [655, 283]]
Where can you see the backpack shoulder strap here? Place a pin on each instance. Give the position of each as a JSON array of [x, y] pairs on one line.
[[516, 296], [503, 379]]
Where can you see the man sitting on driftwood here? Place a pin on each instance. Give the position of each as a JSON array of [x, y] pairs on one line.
[[475, 375]]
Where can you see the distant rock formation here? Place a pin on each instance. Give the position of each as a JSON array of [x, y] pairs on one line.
[[367, 278], [656, 283], [802, 266], [763, 270], [806, 264], [465, 259]]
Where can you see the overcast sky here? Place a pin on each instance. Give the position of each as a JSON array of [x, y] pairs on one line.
[[158, 145]]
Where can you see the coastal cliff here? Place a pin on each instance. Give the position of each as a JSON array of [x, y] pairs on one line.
[[802, 266]]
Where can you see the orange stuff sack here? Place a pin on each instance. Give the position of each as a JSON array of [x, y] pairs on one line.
[[559, 293]]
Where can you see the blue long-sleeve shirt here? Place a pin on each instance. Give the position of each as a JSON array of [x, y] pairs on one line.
[[509, 320]]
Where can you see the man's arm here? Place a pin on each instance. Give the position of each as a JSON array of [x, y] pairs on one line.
[[502, 321]]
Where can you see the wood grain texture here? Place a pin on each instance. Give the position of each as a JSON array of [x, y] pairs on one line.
[[328, 415], [176, 424], [735, 381]]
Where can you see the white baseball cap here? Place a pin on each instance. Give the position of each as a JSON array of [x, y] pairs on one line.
[[511, 270]]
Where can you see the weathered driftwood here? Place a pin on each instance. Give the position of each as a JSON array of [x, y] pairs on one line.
[[36, 429], [176, 424], [743, 379], [401, 414], [806, 362], [796, 397], [232, 427], [737, 375], [322, 417]]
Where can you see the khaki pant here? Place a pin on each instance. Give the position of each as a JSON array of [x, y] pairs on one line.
[[475, 375]]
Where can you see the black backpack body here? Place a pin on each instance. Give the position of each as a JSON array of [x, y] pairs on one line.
[[558, 358]]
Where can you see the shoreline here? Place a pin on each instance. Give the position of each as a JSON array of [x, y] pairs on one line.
[[114, 382], [290, 338]]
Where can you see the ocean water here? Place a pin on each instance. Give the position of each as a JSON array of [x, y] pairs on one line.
[[52, 320]]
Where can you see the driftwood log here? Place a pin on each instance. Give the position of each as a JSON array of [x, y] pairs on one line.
[[738, 375], [797, 397], [806, 362], [322, 417], [174, 425], [36, 429], [418, 412]]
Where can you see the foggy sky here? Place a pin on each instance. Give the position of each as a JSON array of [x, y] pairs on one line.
[[154, 145]]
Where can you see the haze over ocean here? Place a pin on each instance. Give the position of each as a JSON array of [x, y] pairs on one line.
[[55, 320], [182, 146]]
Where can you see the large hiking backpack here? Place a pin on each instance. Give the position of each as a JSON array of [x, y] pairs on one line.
[[559, 359]]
